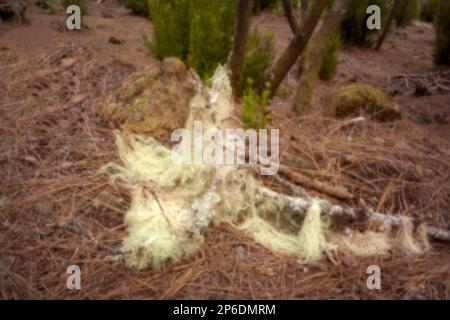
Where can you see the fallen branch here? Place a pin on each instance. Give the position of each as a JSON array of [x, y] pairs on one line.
[[300, 205], [296, 177]]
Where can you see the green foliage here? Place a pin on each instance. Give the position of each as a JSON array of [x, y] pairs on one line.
[[254, 112], [197, 31], [354, 26], [212, 26], [80, 3], [329, 64], [442, 23], [407, 14], [429, 10], [259, 57], [49, 5], [137, 6], [171, 24]]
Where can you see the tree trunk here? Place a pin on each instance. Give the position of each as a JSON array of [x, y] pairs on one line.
[[316, 52], [290, 15], [304, 9], [257, 7], [405, 7], [388, 24], [241, 32], [296, 46]]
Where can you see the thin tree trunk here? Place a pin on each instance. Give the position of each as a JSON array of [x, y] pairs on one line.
[[405, 7], [304, 9], [388, 24], [316, 52], [290, 15], [296, 46], [257, 7], [241, 32]]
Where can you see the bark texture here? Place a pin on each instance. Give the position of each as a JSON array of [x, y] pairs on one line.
[[388, 24], [296, 46], [241, 33], [290, 15], [316, 52]]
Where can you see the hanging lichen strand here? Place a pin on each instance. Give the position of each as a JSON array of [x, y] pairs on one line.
[[172, 204]]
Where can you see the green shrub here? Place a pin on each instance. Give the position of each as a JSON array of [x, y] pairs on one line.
[[171, 24], [442, 25], [258, 60], [254, 112], [137, 6], [406, 15], [199, 32], [211, 35], [329, 64], [80, 3], [354, 29], [429, 10], [49, 5]]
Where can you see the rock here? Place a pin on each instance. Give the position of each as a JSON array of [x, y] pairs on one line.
[[357, 99], [155, 101]]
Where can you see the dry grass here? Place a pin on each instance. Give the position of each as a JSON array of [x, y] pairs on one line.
[[54, 139]]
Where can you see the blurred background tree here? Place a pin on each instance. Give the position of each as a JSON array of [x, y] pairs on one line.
[[442, 25]]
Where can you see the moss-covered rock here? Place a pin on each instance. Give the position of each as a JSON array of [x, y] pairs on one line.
[[358, 99], [156, 101]]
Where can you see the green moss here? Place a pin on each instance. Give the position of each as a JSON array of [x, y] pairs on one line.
[[356, 99]]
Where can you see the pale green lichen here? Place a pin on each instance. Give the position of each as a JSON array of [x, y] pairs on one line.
[[172, 203]]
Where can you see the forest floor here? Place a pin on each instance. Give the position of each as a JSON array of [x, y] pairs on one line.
[[54, 210]]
